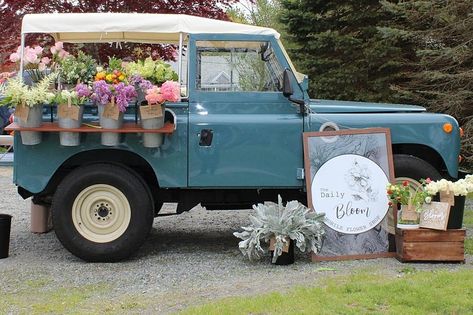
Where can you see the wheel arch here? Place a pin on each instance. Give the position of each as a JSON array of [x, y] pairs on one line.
[[422, 152], [124, 158]]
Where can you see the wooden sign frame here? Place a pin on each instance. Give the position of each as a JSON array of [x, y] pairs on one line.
[[371, 143]]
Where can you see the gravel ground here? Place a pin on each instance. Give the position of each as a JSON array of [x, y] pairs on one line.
[[188, 259]]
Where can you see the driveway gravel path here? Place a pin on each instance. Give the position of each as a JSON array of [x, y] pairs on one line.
[[188, 259]]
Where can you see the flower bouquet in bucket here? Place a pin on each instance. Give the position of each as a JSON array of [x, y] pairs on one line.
[[410, 200], [112, 93], [453, 193], [152, 111], [70, 108], [28, 102]]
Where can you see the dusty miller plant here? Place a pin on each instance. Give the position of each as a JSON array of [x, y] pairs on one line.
[[293, 221]]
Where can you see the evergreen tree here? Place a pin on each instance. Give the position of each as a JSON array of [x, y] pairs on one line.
[[441, 72], [340, 48]]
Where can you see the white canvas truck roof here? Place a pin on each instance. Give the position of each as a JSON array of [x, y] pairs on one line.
[[131, 27]]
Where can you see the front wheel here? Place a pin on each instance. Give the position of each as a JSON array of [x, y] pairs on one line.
[[413, 169], [102, 212]]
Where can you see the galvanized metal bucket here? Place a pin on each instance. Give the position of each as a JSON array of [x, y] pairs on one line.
[[35, 119], [110, 139], [70, 139], [152, 140]]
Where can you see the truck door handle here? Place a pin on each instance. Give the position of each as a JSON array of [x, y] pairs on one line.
[[206, 136]]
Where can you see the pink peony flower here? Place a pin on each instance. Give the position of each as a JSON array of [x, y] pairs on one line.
[[31, 57], [63, 54], [153, 96], [14, 57], [53, 50], [170, 91], [38, 50], [45, 60], [59, 45]]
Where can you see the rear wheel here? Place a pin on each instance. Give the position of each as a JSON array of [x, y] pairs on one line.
[[102, 212]]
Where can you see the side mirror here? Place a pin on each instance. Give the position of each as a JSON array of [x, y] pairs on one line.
[[286, 84]]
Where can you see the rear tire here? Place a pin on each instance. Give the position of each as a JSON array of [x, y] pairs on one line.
[[102, 212]]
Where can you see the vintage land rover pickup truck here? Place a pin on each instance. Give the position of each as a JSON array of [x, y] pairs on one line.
[[237, 136]]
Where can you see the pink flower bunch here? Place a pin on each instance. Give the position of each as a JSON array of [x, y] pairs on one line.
[[169, 91], [58, 50], [32, 57], [154, 96]]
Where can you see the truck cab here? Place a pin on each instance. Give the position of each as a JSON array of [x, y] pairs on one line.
[[237, 138]]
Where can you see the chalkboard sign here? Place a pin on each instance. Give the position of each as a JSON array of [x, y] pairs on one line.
[[346, 176]]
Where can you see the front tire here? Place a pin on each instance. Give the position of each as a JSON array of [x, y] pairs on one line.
[[102, 212], [413, 169]]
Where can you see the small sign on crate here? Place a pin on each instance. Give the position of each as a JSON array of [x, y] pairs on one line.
[[434, 215]]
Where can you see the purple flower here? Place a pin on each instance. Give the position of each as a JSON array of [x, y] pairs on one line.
[[82, 90], [123, 95], [122, 92], [102, 93], [145, 85]]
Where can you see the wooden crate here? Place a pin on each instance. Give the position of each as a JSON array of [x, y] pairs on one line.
[[430, 245]]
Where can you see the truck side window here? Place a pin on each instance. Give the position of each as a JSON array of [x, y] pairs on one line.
[[237, 66]]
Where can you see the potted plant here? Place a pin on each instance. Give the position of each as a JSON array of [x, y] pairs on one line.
[[70, 106], [410, 201], [454, 193], [152, 111], [282, 226], [28, 103], [112, 100]]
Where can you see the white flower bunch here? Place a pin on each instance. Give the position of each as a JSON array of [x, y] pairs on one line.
[[17, 92], [459, 188]]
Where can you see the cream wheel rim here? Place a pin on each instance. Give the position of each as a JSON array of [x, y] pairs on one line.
[[101, 213]]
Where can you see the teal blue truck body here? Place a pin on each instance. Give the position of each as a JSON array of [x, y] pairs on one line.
[[257, 137]]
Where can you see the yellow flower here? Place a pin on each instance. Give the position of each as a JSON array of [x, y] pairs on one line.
[[121, 77], [100, 75], [109, 78]]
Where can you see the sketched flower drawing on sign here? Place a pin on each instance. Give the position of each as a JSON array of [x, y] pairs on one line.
[[359, 180]]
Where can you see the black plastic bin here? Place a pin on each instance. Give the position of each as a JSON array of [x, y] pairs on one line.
[[455, 219], [5, 226]]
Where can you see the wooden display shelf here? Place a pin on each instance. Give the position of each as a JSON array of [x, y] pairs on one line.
[[127, 128], [430, 245]]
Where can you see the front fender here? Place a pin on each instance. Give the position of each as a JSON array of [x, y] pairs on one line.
[[406, 128]]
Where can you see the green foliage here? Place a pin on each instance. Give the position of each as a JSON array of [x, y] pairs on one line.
[[439, 75], [340, 48], [293, 221], [77, 69], [156, 71], [444, 292], [114, 63]]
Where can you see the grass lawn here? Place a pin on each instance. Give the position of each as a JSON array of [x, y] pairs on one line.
[[412, 292]]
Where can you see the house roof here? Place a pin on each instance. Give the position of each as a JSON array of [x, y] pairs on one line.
[[131, 27]]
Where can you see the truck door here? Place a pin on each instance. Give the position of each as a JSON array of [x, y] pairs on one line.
[[242, 131]]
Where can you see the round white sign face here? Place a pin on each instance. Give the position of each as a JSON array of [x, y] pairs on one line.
[[351, 190]]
